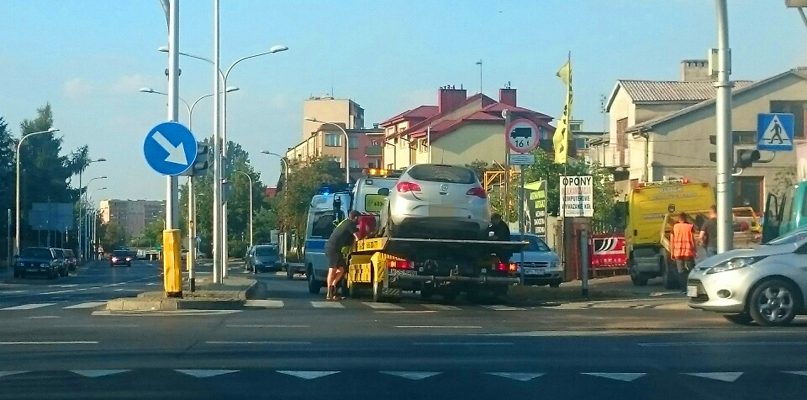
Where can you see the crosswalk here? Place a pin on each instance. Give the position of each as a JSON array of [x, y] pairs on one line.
[[371, 306], [66, 306]]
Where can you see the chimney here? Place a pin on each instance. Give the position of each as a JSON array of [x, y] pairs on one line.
[[695, 71], [449, 98], [507, 96]]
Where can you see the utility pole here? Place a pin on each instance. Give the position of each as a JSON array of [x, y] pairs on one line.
[[723, 131], [172, 242], [217, 161]]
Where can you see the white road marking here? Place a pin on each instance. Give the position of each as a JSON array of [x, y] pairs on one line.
[[43, 317], [58, 292], [9, 373], [268, 326], [152, 284], [439, 326], [127, 290], [66, 286], [719, 376], [27, 306], [95, 373], [462, 344], [286, 343], [405, 312], [579, 333], [13, 291], [264, 303], [48, 343], [96, 326], [309, 374], [105, 313], [326, 304], [504, 308], [382, 306], [89, 304], [519, 376], [620, 376], [803, 373], [441, 307], [715, 344], [413, 375], [205, 373]]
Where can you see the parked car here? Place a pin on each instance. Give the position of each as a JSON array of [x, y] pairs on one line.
[[37, 261], [120, 257], [541, 265], [71, 259], [766, 284], [437, 201], [262, 257], [61, 261]]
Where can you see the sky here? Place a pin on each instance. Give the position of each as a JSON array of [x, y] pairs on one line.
[[88, 58]]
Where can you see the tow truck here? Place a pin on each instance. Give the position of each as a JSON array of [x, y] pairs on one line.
[[389, 266]]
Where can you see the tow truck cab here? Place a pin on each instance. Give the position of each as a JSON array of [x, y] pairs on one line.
[[785, 213]]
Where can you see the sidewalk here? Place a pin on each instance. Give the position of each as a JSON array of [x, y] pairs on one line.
[[208, 296]]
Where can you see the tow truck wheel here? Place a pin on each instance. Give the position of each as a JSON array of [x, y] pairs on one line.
[[314, 285], [449, 295], [426, 292], [670, 275], [353, 291], [377, 296], [638, 278]]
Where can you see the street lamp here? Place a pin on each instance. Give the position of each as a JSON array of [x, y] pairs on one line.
[[222, 154], [250, 204], [192, 106], [285, 163], [85, 247], [91, 242], [347, 144], [80, 233], [22, 139]]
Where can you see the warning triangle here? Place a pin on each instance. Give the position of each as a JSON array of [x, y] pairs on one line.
[[775, 134]]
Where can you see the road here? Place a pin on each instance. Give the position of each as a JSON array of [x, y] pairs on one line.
[[289, 344]]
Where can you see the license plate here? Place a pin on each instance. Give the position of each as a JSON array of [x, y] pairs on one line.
[[32, 270], [534, 271], [399, 272], [692, 291], [441, 211]]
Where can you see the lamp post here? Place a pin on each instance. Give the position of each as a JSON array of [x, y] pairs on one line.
[[188, 107], [723, 131], [285, 164], [250, 205], [91, 228], [80, 232], [347, 144], [220, 154], [85, 245], [19, 144]]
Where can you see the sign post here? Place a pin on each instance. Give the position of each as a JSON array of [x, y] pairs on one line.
[[577, 201], [522, 137]]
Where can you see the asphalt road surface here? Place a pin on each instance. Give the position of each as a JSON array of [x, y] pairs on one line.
[[288, 344]]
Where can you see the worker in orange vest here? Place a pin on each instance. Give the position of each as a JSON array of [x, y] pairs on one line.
[[683, 248]]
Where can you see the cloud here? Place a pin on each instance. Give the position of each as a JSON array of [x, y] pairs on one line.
[[77, 88], [127, 85]]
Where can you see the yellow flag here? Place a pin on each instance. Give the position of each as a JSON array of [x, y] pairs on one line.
[[561, 137]]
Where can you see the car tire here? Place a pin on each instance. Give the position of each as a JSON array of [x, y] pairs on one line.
[[390, 230], [289, 272], [739, 319], [426, 292], [314, 286], [638, 278], [669, 274], [781, 298], [555, 284]]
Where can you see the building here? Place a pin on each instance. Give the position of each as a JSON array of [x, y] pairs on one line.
[[581, 139], [346, 112], [458, 130], [270, 192], [132, 215], [662, 130]]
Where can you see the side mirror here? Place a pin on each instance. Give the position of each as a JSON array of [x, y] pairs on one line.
[[383, 191]]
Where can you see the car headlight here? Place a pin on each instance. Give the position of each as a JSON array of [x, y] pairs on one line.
[[554, 264], [732, 264]]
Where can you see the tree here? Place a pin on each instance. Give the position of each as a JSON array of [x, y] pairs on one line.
[[152, 235], [113, 235], [784, 178]]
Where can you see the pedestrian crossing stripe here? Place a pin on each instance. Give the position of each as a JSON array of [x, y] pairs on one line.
[[27, 306], [441, 307], [383, 306], [89, 304], [326, 304]]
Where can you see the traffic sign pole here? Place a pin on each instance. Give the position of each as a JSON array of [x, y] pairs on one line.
[[172, 257], [521, 137], [217, 267]]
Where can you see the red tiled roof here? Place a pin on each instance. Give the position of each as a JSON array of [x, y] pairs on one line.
[[421, 112]]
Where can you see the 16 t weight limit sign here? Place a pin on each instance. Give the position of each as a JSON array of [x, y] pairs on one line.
[[577, 196], [521, 136]]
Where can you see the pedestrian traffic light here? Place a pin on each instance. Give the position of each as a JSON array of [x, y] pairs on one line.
[[746, 158], [201, 162]]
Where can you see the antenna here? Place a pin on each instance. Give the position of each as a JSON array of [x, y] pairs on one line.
[[479, 63], [332, 81]]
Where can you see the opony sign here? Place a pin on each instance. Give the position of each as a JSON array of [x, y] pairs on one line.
[[577, 196]]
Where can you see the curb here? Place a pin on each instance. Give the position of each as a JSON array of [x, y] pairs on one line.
[[142, 303], [542, 295]]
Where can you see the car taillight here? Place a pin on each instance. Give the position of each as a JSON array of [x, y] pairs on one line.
[[400, 264], [503, 267], [404, 187], [478, 192]]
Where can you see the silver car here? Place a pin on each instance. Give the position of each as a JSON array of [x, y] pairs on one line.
[[437, 201], [541, 265], [766, 284]]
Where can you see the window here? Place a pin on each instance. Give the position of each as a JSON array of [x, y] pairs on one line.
[[536, 244], [581, 143], [354, 164], [621, 140], [424, 147], [353, 142], [748, 192], [443, 173], [323, 224], [333, 139], [797, 108], [335, 159]]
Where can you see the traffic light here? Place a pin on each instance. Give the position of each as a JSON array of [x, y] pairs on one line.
[[746, 158], [226, 190], [713, 155], [201, 162]]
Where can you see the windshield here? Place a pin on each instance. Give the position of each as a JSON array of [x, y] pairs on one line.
[[443, 173], [265, 251], [789, 238], [120, 253], [536, 244], [36, 252], [59, 253]]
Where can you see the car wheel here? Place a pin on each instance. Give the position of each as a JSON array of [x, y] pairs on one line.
[[390, 230], [555, 284], [314, 286], [426, 292], [774, 303], [289, 272], [638, 278], [353, 291], [670, 274], [739, 319]]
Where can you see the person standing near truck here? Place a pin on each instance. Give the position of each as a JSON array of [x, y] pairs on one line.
[[683, 248], [499, 231], [342, 236], [708, 234]]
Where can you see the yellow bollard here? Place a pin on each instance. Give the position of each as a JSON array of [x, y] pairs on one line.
[[172, 263]]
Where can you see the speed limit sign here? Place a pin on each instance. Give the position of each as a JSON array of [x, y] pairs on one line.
[[521, 135]]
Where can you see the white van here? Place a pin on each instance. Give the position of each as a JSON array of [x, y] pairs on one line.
[[328, 209]]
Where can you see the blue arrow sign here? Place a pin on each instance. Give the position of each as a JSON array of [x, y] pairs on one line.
[[170, 148], [775, 132]]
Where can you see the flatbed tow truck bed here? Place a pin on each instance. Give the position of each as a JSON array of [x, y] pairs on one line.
[[446, 267]]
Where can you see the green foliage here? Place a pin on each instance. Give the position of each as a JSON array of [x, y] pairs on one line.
[[112, 236], [784, 178], [151, 236]]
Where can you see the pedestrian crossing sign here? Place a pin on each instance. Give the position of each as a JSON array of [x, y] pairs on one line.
[[775, 132]]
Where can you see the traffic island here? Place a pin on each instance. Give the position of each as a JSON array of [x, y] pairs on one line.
[[541, 295], [230, 295]]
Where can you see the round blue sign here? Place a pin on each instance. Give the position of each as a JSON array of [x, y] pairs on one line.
[[170, 148]]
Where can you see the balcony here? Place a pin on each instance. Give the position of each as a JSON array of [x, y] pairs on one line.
[[373, 151]]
